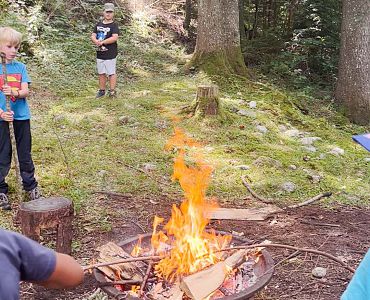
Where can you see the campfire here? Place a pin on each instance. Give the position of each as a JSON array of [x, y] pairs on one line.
[[184, 259]]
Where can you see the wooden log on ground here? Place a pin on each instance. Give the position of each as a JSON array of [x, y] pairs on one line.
[[46, 213], [207, 102], [246, 214]]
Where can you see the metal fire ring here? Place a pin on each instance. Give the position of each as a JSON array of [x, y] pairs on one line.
[[264, 268]]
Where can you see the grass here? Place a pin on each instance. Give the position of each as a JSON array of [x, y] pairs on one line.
[[80, 145]]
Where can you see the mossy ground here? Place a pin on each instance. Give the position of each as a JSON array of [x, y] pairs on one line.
[[80, 146]]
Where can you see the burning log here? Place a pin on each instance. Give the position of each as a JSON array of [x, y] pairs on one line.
[[200, 285], [111, 252]]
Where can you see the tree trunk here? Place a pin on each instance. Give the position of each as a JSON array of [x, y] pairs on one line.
[[207, 102], [188, 10], [243, 35], [353, 86], [218, 38]]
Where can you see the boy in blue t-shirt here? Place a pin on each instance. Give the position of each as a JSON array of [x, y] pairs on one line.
[[22, 259], [17, 90]]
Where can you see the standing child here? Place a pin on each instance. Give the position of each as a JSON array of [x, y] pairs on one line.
[[105, 37], [17, 90]]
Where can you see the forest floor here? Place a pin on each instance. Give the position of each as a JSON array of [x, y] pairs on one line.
[[291, 145]]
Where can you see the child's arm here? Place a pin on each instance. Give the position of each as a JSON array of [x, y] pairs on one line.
[[6, 115], [23, 92], [110, 40], [68, 273]]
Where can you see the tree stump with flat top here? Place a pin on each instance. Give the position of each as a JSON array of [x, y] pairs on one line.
[[44, 213], [207, 102]]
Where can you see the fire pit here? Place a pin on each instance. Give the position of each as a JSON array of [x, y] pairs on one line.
[[255, 276]]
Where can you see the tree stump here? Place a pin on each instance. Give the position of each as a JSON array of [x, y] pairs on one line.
[[45, 213], [207, 101]]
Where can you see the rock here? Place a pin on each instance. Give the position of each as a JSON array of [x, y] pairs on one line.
[[247, 113], [102, 173], [315, 178], [367, 159], [243, 167], [288, 186], [124, 120], [337, 151], [267, 161], [319, 272], [310, 148], [292, 167], [282, 128], [149, 167], [322, 156], [292, 133], [252, 104], [262, 129], [239, 93], [309, 140], [161, 124]]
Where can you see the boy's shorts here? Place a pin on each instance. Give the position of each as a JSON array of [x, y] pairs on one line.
[[107, 67]]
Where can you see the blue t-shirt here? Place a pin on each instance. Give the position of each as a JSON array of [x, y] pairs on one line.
[[359, 286], [17, 74], [22, 259]]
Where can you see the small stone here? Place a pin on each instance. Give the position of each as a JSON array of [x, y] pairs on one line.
[[252, 104], [243, 167], [262, 129], [292, 133], [124, 120], [247, 113], [367, 159], [282, 128], [310, 148], [239, 93], [322, 156], [102, 173], [288, 186], [337, 151], [149, 167], [319, 272], [315, 178], [309, 140], [292, 167]]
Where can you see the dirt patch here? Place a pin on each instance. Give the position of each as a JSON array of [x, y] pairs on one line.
[[345, 235]]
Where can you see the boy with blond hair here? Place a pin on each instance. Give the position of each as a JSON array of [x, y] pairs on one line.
[[17, 89]]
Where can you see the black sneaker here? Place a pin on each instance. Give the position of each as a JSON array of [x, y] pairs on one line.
[[112, 93], [100, 93], [34, 194], [4, 202]]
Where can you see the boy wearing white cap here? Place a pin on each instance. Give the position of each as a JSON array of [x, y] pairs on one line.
[[105, 37]]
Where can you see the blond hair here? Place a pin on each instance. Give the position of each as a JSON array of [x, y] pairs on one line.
[[10, 35]]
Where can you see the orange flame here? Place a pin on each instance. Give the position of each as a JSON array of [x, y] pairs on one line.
[[192, 249]]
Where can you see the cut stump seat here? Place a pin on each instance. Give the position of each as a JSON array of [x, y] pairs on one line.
[[44, 213]]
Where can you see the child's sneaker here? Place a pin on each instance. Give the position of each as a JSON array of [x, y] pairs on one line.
[[100, 93], [4, 202], [112, 93], [34, 194]]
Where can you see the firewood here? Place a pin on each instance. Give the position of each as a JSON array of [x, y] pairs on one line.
[[200, 285], [159, 293], [250, 214], [112, 252]]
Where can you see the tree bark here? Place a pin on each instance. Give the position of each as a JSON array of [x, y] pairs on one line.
[[207, 102], [243, 35], [218, 38], [353, 86]]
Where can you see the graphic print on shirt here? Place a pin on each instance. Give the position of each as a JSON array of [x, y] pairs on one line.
[[14, 81], [101, 35]]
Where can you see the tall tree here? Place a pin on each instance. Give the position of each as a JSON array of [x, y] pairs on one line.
[[218, 37], [353, 86]]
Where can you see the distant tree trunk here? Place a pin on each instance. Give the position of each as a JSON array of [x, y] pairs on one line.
[[353, 86], [188, 10], [243, 35], [290, 16], [255, 23], [218, 38]]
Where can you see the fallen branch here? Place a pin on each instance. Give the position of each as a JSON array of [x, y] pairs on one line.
[[121, 261], [143, 284], [123, 282], [114, 194], [307, 250], [269, 201], [254, 194], [318, 223]]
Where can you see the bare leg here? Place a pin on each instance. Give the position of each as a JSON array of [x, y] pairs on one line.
[[102, 81], [112, 81]]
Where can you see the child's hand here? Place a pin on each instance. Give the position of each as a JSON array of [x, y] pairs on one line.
[[7, 90], [7, 116]]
